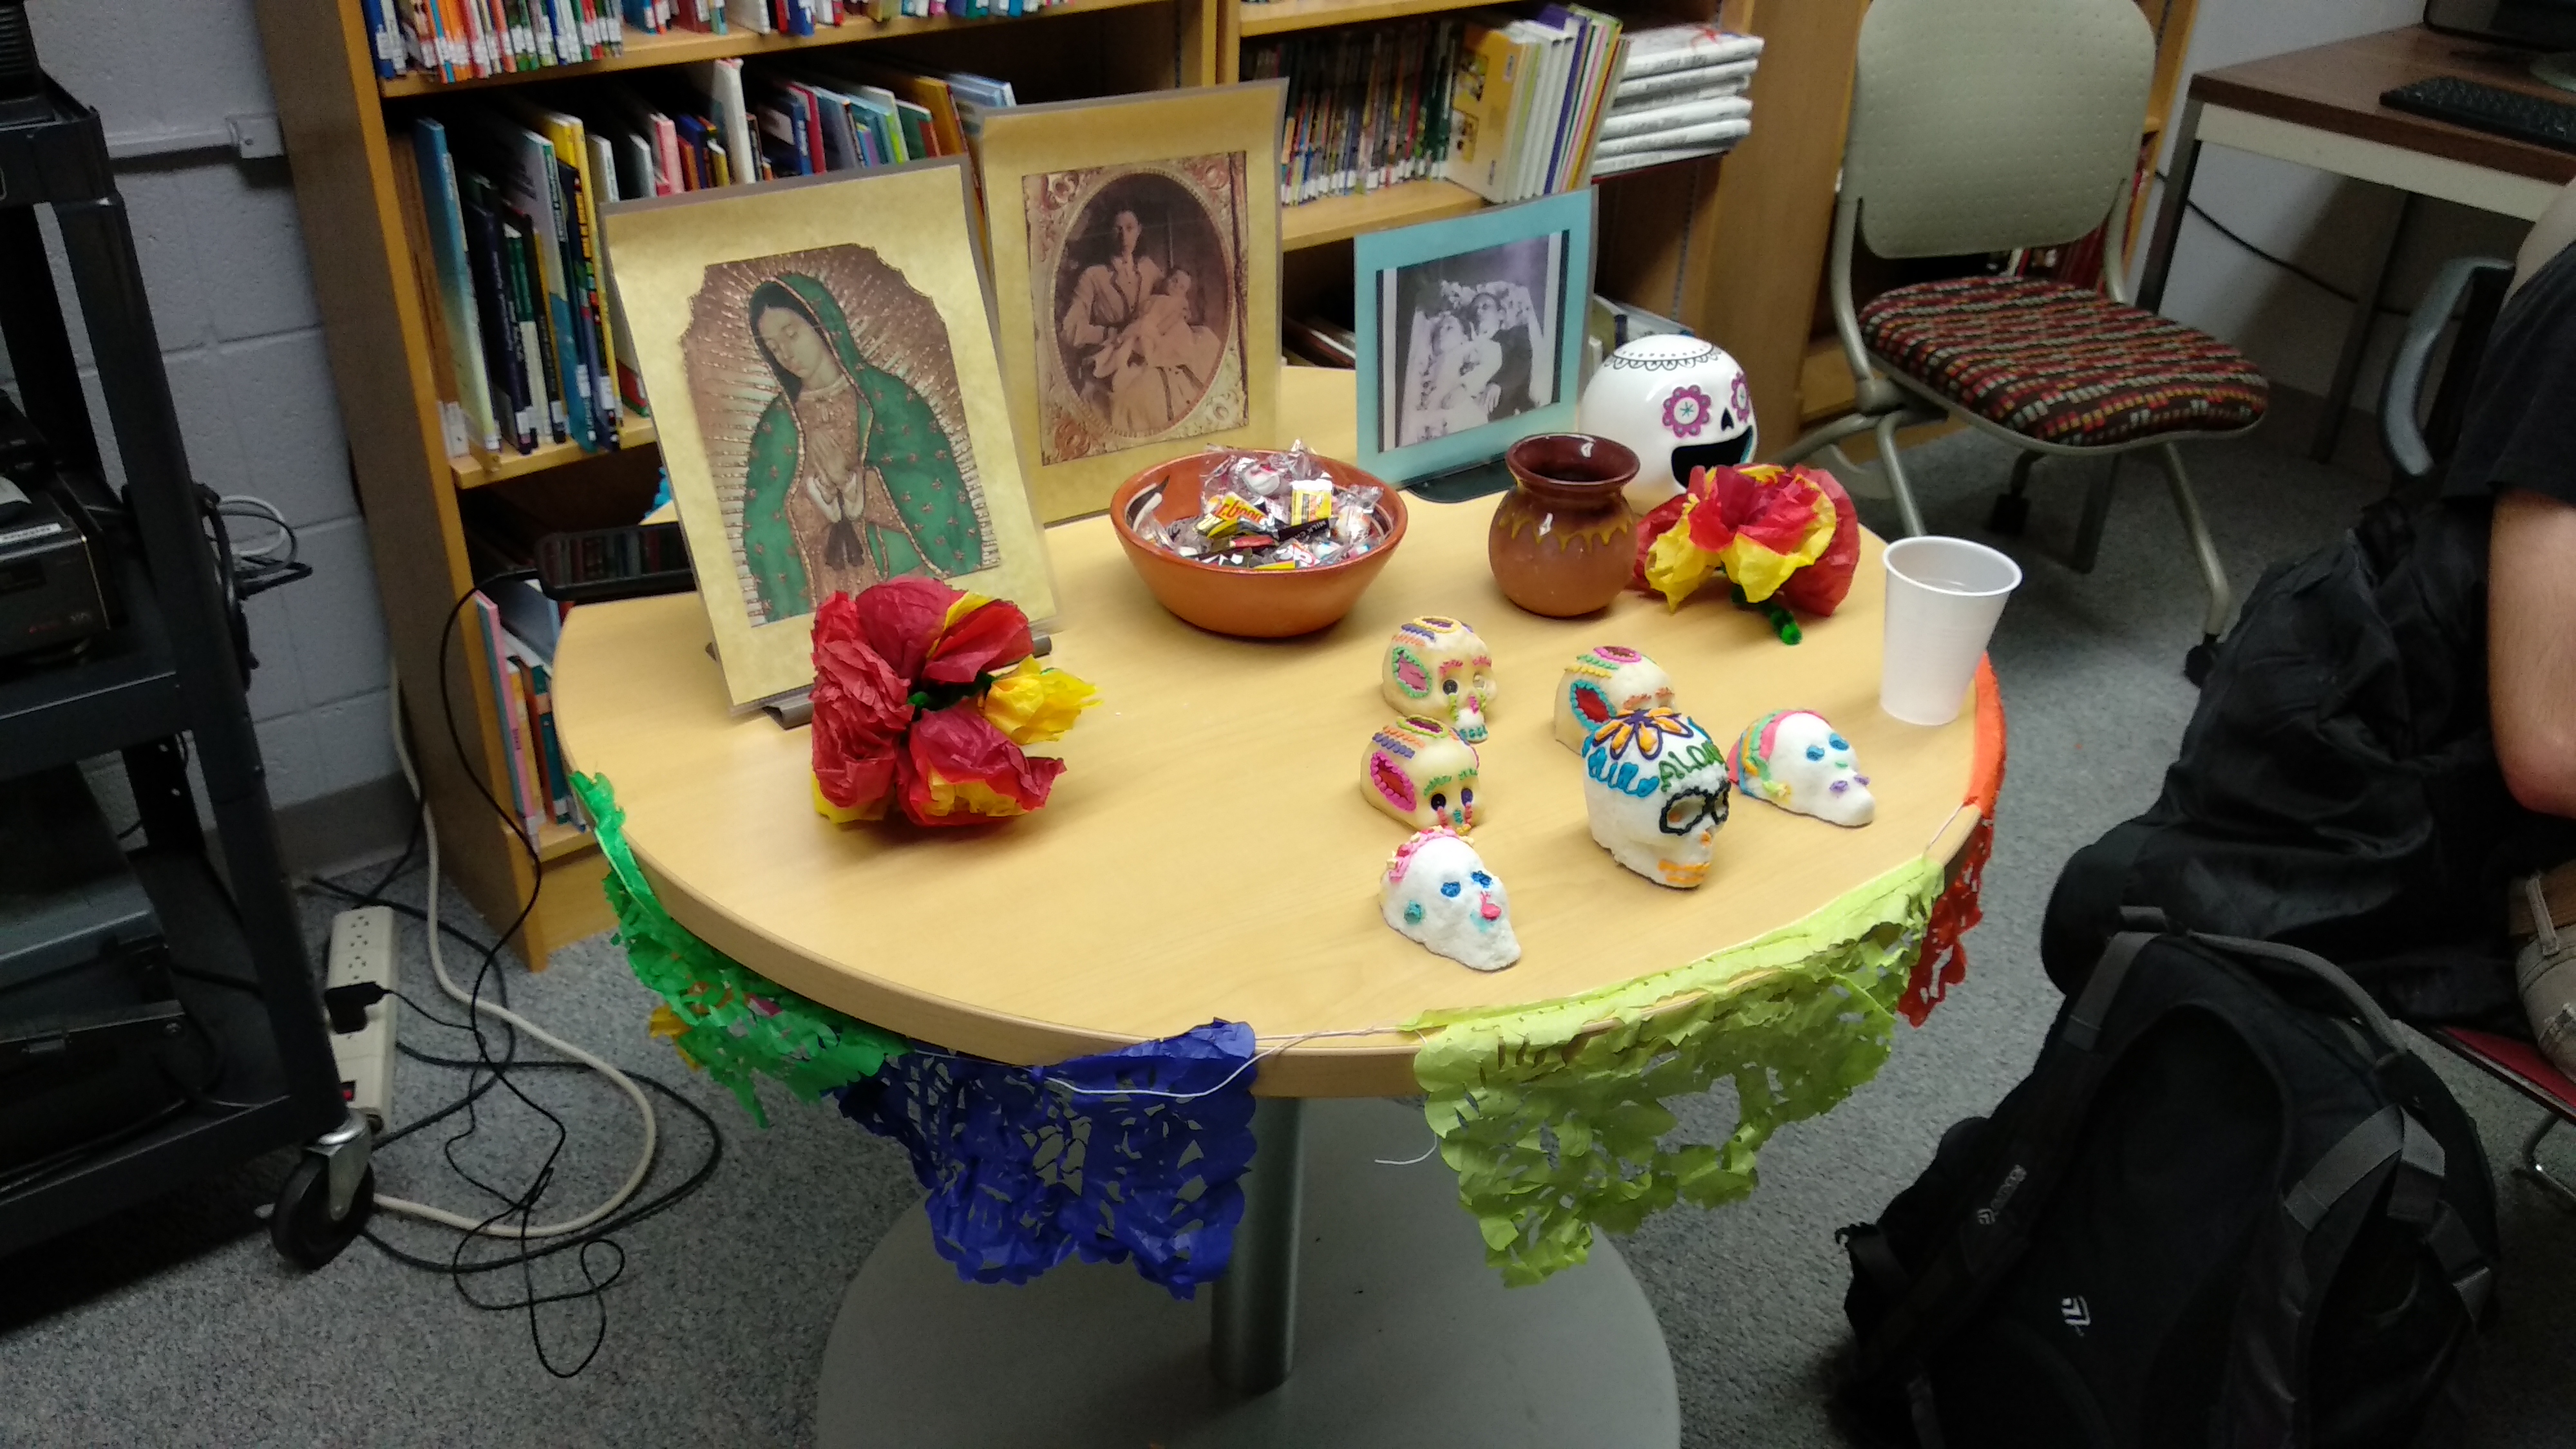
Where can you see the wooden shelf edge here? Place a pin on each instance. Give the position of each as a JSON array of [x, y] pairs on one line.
[[475, 473], [1339, 218], [643, 52], [557, 841], [1275, 17]]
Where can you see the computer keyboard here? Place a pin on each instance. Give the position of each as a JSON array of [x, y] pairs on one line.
[[2480, 107]]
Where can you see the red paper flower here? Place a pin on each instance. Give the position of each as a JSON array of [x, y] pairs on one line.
[[1789, 531], [901, 678], [1820, 587]]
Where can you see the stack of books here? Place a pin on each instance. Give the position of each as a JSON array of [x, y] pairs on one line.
[[1680, 95], [502, 201], [1505, 105], [520, 627]]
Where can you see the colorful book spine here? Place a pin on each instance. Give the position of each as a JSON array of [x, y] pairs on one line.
[[504, 682]]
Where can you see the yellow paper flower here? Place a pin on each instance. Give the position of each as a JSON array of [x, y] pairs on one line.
[[873, 810], [1032, 704]]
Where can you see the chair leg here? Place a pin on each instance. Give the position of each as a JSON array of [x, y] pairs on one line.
[[2530, 1165], [2097, 514], [2011, 513], [1824, 437], [2213, 573], [1906, 510]]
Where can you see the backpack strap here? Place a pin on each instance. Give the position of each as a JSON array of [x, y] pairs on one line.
[[1993, 1237], [2364, 1010]]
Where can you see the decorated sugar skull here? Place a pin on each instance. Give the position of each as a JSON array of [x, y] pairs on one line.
[[1422, 774], [1655, 787], [1437, 891], [1606, 680], [1439, 666], [1678, 403], [1797, 761]]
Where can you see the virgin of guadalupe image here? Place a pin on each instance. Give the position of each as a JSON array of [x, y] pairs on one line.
[[848, 478]]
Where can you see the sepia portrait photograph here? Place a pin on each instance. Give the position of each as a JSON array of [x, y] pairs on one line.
[[1468, 334], [1471, 338], [1137, 279], [830, 402], [827, 405]]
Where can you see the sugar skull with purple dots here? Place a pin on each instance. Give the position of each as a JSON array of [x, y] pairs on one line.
[[1797, 761]]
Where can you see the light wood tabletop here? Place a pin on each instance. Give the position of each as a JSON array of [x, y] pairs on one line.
[[1208, 854]]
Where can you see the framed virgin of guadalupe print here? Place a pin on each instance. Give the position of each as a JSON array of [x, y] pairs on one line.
[[820, 356], [1136, 281]]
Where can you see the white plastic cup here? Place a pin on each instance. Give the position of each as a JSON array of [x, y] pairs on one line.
[[1943, 598]]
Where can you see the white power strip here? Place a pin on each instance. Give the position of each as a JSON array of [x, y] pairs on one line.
[[362, 951]]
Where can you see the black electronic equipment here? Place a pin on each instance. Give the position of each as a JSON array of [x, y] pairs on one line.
[[49, 593], [2546, 24], [2525, 117], [599, 564]]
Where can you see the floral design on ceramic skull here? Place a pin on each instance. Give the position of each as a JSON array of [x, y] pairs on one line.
[[1421, 773], [1438, 665], [1603, 681], [1655, 786], [1436, 891], [1797, 761]]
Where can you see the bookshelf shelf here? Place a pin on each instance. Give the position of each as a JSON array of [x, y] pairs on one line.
[[1272, 17], [1339, 218], [555, 841], [644, 52], [477, 473]]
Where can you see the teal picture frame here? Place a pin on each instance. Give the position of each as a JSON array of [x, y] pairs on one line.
[[1431, 400]]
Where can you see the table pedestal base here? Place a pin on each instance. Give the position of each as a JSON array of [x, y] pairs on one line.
[[1403, 1336]]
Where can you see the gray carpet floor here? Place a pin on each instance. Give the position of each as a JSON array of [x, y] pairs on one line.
[[176, 1324]]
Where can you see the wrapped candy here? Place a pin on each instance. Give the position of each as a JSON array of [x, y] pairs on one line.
[[1272, 511], [923, 697], [1790, 532]]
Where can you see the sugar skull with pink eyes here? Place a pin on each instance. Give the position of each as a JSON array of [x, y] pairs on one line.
[[1797, 761], [1437, 665], [1437, 891]]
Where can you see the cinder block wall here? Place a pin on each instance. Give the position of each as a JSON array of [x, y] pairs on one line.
[[239, 330]]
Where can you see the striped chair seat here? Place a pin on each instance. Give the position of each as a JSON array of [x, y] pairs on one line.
[[2061, 364]]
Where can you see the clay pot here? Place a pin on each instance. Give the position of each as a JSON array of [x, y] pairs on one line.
[[1564, 541]]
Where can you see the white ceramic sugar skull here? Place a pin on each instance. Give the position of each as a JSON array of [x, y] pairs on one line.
[[1678, 403], [1606, 680], [1796, 761], [1655, 786], [1422, 774], [1437, 891], [1439, 666]]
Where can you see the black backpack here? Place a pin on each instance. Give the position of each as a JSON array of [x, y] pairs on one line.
[[2228, 1207]]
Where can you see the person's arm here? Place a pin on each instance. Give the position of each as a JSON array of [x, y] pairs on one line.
[[2531, 648]]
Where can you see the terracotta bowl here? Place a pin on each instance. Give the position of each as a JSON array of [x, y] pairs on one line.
[[1246, 603]]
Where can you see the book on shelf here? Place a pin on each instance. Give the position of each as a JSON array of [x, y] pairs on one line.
[[452, 40], [502, 198], [1680, 95], [1503, 104]]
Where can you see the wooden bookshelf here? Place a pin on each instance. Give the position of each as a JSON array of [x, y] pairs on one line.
[[1339, 218], [345, 132], [1272, 17], [646, 51], [470, 472]]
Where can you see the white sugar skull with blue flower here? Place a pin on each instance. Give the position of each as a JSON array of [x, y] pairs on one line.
[[1437, 891], [1797, 761]]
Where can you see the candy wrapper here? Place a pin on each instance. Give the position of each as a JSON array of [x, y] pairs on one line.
[[1272, 511], [923, 697], [1789, 532]]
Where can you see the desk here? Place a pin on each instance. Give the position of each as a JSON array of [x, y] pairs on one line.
[[1221, 777], [2320, 108]]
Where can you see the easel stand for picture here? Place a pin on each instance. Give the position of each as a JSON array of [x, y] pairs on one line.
[[1457, 485]]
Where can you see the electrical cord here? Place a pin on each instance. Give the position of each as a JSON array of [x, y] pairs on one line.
[[475, 1007], [2284, 263]]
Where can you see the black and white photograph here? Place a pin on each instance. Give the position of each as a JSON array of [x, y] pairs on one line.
[[1471, 339]]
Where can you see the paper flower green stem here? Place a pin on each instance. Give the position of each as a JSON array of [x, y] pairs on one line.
[[1555, 1130], [724, 1018]]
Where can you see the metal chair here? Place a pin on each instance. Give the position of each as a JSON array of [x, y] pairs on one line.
[[1990, 126]]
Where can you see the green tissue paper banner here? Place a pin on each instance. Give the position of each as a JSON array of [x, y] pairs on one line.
[[731, 1022], [1553, 1133]]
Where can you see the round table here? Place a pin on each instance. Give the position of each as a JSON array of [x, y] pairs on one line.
[[1208, 855]]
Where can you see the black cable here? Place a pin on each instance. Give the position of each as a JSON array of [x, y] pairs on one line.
[[2284, 263]]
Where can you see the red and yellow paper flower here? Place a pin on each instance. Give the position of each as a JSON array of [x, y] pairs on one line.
[[923, 697], [1789, 531]]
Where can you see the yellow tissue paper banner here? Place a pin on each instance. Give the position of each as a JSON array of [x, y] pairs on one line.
[[1553, 1114]]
